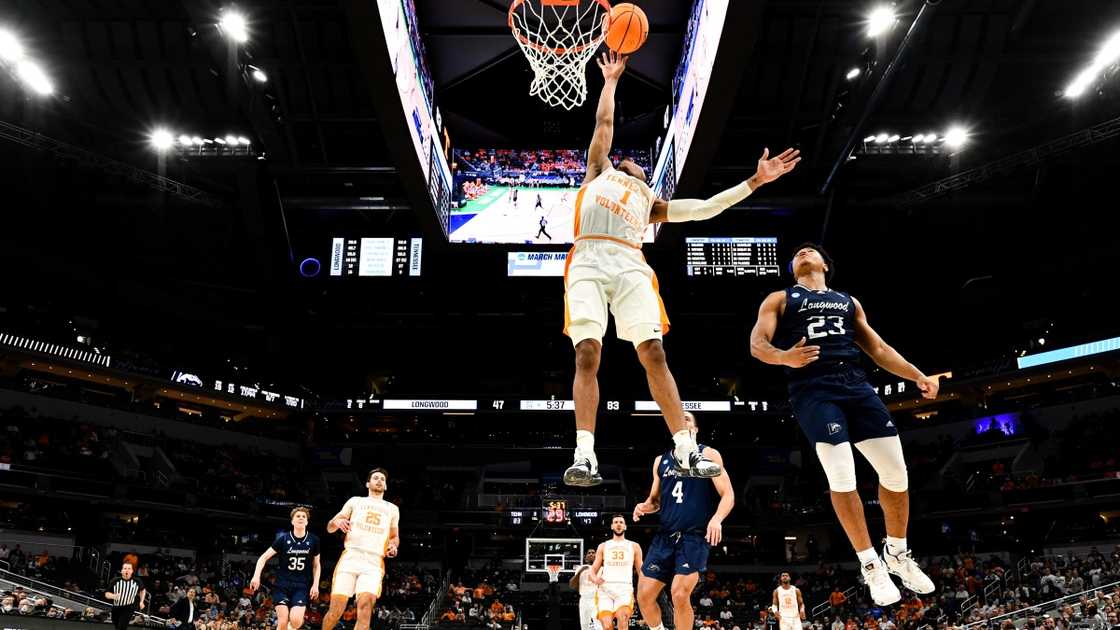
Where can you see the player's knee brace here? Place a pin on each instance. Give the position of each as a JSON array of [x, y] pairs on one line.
[[839, 466], [885, 456]]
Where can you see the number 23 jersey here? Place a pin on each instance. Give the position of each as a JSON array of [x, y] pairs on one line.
[[824, 318], [370, 523]]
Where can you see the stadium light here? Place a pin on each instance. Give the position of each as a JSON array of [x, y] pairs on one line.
[[881, 138], [185, 140], [931, 137], [258, 75], [233, 24], [918, 139], [231, 140], [880, 20], [869, 139], [1108, 54], [162, 139], [853, 73], [11, 50], [956, 137], [31, 74], [893, 138], [243, 140], [220, 140], [197, 140]]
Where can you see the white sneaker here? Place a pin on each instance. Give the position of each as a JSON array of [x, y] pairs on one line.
[[883, 590], [908, 571], [584, 471]]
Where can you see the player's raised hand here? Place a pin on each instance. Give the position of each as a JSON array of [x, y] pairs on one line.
[[801, 355], [612, 64], [643, 508], [254, 584], [929, 386], [715, 532], [342, 524], [771, 168]]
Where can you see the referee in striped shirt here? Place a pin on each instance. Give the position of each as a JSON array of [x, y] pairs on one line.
[[127, 594]]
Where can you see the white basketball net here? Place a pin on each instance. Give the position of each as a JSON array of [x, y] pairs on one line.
[[558, 37], [554, 572]]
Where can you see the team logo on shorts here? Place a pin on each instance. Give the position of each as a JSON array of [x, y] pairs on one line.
[[653, 567], [833, 428], [890, 425]]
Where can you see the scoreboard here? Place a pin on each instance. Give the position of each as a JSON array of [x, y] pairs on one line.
[[555, 512], [732, 256], [381, 257], [370, 404]]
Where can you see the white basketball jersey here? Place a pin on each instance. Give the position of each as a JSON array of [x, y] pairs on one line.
[[618, 562], [615, 205], [586, 586], [787, 602], [370, 522]]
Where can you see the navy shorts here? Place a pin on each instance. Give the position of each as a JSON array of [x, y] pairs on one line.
[[672, 554], [840, 407], [290, 595]]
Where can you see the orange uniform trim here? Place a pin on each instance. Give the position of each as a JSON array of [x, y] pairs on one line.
[[661, 305], [579, 208], [605, 237], [567, 313]]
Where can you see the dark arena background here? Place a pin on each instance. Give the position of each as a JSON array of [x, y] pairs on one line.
[[250, 251]]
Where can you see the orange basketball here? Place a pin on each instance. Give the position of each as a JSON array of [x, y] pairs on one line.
[[627, 28]]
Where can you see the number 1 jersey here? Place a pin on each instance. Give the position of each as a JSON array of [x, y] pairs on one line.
[[824, 318]]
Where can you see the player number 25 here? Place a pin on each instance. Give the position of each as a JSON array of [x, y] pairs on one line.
[[678, 492], [295, 564], [817, 323]]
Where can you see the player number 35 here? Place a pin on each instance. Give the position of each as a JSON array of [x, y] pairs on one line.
[[296, 564]]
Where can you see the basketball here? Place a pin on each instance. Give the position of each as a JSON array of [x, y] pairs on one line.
[[627, 28]]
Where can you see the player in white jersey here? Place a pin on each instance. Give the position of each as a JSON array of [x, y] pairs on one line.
[[581, 582], [371, 525], [606, 269], [616, 562], [788, 605]]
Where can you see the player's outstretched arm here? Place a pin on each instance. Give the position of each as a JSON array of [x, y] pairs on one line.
[[726, 498], [681, 210], [762, 336], [887, 357], [255, 583], [652, 504], [598, 156]]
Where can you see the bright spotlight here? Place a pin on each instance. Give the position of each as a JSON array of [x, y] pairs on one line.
[[185, 140], [34, 77], [931, 137], [881, 138], [243, 140], [893, 138], [10, 48], [234, 25], [918, 139], [197, 140], [162, 139], [1108, 54], [869, 139], [956, 137], [220, 140], [231, 140], [880, 20], [853, 73], [259, 76]]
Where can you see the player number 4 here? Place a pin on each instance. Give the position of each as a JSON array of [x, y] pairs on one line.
[[295, 564], [816, 324], [678, 492]]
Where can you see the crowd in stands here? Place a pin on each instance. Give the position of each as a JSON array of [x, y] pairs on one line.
[[484, 598], [474, 188], [48, 443]]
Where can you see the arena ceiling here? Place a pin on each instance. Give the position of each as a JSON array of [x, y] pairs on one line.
[[221, 279]]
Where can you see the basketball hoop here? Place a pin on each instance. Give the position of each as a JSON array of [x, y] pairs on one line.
[[554, 572], [558, 37]]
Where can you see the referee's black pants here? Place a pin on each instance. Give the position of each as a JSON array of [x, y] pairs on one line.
[[122, 615]]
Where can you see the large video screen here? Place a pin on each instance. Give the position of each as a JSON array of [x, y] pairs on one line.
[[690, 88], [521, 196]]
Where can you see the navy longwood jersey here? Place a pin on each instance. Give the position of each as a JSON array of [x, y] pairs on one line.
[[824, 318], [296, 556], [687, 503]]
